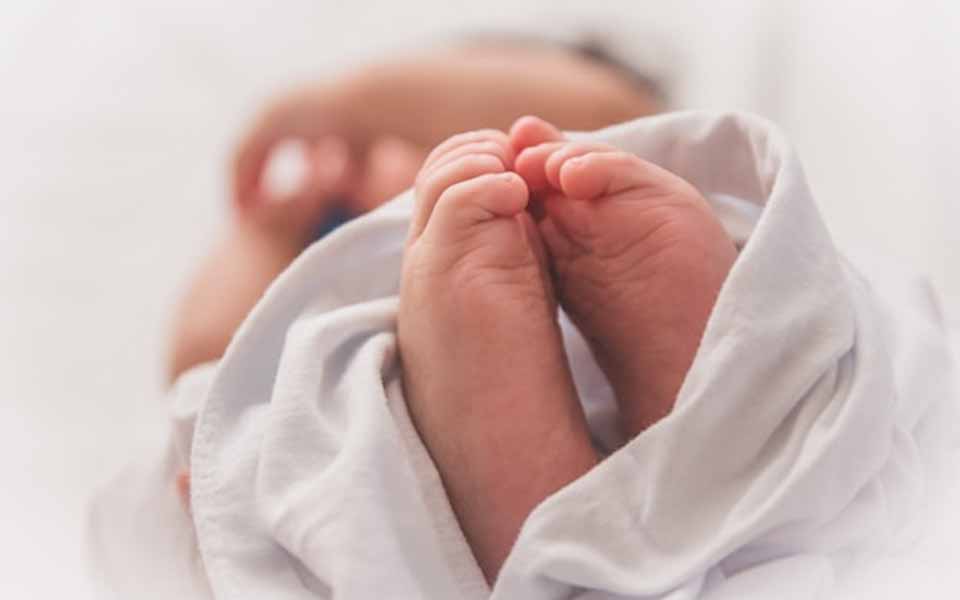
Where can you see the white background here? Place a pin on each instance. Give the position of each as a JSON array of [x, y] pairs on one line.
[[117, 118]]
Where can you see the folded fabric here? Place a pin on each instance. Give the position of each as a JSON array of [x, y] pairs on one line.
[[803, 443]]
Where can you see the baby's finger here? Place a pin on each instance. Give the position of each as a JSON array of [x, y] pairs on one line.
[[183, 488], [331, 170], [249, 162], [429, 189]]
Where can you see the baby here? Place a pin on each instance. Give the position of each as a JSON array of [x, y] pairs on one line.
[[399, 416], [366, 134], [511, 221]]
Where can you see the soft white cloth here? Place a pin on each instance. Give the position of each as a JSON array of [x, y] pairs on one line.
[[804, 440], [140, 535]]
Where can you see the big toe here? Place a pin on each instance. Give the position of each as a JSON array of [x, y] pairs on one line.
[[530, 131]]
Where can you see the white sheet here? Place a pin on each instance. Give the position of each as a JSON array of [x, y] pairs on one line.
[[804, 441], [112, 190]]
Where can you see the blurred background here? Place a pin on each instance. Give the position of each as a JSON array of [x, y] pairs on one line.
[[117, 120]]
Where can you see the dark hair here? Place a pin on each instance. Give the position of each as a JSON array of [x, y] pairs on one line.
[[596, 50], [592, 47]]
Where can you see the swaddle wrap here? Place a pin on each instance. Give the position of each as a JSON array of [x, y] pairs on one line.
[[802, 441]]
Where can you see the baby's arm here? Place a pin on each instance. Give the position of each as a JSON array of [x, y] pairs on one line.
[[424, 98], [223, 291], [418, 99]]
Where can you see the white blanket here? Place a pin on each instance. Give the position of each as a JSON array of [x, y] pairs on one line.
[[804, 440]]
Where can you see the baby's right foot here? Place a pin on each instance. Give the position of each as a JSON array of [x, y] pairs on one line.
[[638, 257], [485, 374]]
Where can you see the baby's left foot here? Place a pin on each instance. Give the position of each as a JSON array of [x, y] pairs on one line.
[[485, 374], [638, 259]]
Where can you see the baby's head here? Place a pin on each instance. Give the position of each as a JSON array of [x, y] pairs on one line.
[[489, 81], [575, 85]]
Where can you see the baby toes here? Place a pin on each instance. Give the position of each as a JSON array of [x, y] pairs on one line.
[[451, 145], [430, 188], [540, 165], [587, 174], [462, 158], [531, 131], [474, 201]]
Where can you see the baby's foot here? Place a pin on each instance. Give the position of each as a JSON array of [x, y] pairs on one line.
[[638, 258], [485, 374]]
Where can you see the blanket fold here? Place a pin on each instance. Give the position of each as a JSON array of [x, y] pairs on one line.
[[803, 438]]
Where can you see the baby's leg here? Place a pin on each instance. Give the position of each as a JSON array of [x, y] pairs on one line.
[[639, 260], [225, 288], [485, 372]]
